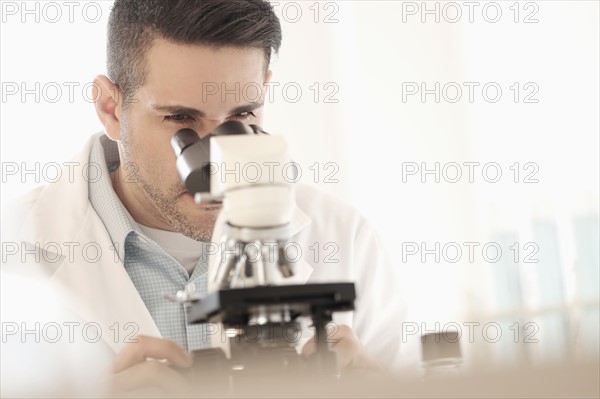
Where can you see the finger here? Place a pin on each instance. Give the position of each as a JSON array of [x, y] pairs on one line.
[[364, 361], [309, 348], [346, 350], [147, 375], [350, 351], [341, 333], [335, 333], [151, 347]]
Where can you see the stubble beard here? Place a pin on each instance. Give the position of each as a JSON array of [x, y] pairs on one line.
[[200, 229], [165, 202]]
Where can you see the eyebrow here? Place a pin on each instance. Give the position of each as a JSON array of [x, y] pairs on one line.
[[182, 110]]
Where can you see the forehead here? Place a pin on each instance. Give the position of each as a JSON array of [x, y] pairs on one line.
[[187, 73]]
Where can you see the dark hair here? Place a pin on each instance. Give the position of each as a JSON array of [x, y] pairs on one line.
[[134, 24]]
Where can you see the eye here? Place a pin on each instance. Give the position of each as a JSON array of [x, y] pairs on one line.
[[178, 118], [242, 116]]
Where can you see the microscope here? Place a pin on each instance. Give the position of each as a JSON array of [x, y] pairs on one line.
[[247, 294]]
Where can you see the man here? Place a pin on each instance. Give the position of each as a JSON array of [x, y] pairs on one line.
[[162, 56]]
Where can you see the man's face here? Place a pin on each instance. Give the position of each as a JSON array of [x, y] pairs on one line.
[[186, 86]]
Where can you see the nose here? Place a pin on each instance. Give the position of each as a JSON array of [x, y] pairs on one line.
[[208, 126]]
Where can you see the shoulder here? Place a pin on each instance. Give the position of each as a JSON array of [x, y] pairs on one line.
[[28, 199], [318, 201], [16, 210], [54, 203], [329, 212]]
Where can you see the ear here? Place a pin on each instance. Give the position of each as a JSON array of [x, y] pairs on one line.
[[108, 107]]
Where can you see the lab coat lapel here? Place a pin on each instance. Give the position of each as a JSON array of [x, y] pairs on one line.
[[93, 277]]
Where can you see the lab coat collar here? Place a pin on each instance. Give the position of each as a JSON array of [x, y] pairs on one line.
[[91, 275]]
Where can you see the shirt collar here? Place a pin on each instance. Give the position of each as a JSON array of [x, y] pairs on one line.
[[104, 158]]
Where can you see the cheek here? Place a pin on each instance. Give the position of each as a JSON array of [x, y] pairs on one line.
[[150, 149]]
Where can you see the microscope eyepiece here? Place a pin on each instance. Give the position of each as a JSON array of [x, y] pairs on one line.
[[193, 153], [232, 127], [183, 139]]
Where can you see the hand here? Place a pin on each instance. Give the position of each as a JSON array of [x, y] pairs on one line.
[[350, 352], [144, 365]]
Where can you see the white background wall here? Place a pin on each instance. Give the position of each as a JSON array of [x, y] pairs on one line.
[[365, 54]]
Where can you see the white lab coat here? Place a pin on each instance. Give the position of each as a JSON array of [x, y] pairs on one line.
[[59, 219]]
